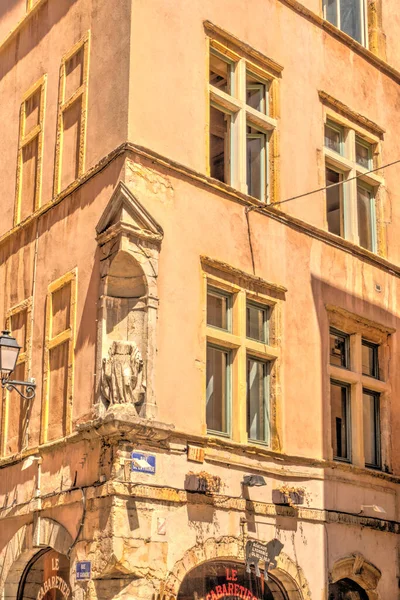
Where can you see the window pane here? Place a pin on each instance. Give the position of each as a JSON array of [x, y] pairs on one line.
[[330, 11], [339, 349], [219, 145], [256, 323], [220, 73], [217, 392], [339, 420], [334, 209], [257, 415], [371, 428], [217, 310], [256, 93], [363, 155], [370, 359], [255, 164], [364, 214], [350, 18], [333, 139]]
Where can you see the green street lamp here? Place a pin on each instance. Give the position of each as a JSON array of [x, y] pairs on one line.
[[9, 351]]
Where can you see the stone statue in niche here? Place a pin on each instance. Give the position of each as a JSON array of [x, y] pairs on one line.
[[122, 375]]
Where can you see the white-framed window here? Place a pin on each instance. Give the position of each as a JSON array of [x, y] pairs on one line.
[[242, 122], [358, 388], [351, 187], [350, 16]]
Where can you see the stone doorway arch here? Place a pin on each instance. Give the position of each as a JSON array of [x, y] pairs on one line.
[[288, 573], [358, 569], [25, 543]]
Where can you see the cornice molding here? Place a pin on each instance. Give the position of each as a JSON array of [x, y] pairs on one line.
[[158, 435], [129, 149], [221, 34], [206, 261], [166, 494], [352, 115], [369, 56]]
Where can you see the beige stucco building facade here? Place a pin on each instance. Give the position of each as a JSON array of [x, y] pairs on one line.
[[194, 301]]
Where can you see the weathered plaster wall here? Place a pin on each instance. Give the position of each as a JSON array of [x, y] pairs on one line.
[[314, 60], [38, 49], [11, 12]]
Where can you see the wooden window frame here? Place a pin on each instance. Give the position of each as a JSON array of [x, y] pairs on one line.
[[66, 336], [266, 399], [347, 387], [339, 129], [241, 348], [359, 330], [375, 348], [377, 423], [347, 165], [346, 338], [65, 103], [243, 115], [218, 292], [228, 383], [24, 358], [25, 140], [363, 21]]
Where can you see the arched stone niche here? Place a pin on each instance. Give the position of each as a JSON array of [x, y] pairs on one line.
[[356, 568], [129, 241], [287, 573], [23, 546]]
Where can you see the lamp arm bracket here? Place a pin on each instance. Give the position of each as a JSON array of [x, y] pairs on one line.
[[11, 385]]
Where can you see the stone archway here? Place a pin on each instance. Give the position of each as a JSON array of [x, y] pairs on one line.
[[356, 568], [289, 574], [24, 544]]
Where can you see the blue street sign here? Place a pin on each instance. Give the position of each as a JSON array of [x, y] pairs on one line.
[[143, 462], [83, 570]]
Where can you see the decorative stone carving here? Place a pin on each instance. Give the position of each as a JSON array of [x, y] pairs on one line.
[[121, 379], [129, 245]]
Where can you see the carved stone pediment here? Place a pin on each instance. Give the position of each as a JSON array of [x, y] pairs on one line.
[[125, 214]]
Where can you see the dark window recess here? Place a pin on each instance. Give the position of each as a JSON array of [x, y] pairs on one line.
[[339, 349], [334, 202], [371, 429], [370, 364], [219, 145], [340, 395], [218, 305]]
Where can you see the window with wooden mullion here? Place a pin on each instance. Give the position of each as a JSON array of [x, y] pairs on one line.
[[239, 115], [258, 400], [218, 389], [349, 16], [371, 428], [340, 421]]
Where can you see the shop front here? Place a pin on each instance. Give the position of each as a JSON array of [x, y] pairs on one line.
[[46, 577], [231, 580]]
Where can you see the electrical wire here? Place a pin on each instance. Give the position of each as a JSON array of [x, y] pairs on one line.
[[332, 185]]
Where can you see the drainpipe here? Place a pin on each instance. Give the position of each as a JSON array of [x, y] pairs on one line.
[[36, 516]]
